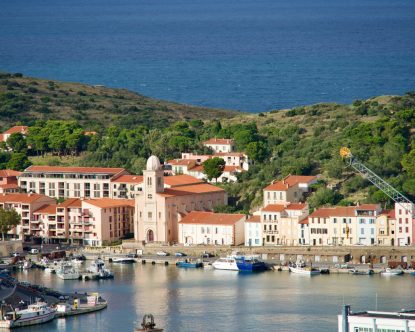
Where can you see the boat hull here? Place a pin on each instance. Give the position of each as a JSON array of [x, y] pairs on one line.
[[303, 271], [189, 265], [29, 321], [251, 267]]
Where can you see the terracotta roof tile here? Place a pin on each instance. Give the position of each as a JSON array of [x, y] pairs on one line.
[[367, 207], [181, 180], [71, 202], [296, 206], [255, 219], [20, 198], [181, 162], [17, 129], [274, 208], [191, 190], [4, 173], [126, 178], [62, 169], [339, 211], [290, 181], [110, 202], [47, 209], [211, 218], [229, 154]]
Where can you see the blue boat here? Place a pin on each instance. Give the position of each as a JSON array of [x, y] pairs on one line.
[[250, 264], [189, 264]]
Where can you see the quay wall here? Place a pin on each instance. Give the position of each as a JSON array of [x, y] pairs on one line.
[[314, 254], [8, 247]]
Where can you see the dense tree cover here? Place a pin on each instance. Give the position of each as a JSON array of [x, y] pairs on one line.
[[213, 168], [305, 140]]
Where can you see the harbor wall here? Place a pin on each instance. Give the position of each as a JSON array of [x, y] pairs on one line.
[[314, 254], [8, 247]]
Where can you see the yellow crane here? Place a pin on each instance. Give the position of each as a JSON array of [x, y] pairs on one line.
[[368, 174]]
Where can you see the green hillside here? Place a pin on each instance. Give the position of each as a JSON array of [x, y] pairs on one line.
[[26, 99], [303, 140]]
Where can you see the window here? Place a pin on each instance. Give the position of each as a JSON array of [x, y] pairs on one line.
[[150, 215], [149, 196], [202, 230], [256, 241], [334, 220], [362, 231], [265, 227], [407, 229], [216, 230], [372, 231]]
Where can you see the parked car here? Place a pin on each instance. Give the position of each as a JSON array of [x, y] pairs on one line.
[[162, 253], [34, 251], [180, 254]]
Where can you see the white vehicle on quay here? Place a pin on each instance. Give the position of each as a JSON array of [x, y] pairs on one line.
[[162, 253]]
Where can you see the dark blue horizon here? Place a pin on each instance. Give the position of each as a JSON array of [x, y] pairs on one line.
[[246, 55]]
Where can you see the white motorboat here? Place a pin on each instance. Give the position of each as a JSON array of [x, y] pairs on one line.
[[27, 265], [391, 272], [300, 268], [37, 313], [77, 261], [123, 260], [228, 263], [98, 267]]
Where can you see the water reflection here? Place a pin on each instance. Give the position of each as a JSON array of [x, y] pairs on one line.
[[188, 300]]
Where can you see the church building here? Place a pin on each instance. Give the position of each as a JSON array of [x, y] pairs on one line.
[[166, 199]]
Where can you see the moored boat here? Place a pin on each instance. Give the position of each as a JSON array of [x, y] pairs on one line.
[[228, 263], [361, 272], [98, 267], [37, 313], [67, 272], [391, 272], [123, 260], [187, 263], [249, 264], [299, 268]]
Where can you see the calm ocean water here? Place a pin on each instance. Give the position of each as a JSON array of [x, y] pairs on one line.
[[240, 54], [209, 300]]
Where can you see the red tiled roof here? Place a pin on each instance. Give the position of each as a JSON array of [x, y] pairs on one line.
[[339, 211], [191, 190], [20, 198], [181, 162], [211, 218], [17, 129], [389, 213], [47, 209], [9, 186], [221, 141], [232, 169], [63, 169], [367, 207], [296, 206], [274, 208], [126, 178], [110, 202], [181, 180], [71, 202], [255, 219], [197, 169], [5, 173], [304, 221], [289, 181]]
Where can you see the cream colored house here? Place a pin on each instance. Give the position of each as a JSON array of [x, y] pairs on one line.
[[69, 182], [289, 190], [219, 145], [159, 209], [404, 224], [14, 130], [280, 223], [385, 228], [212, 228]]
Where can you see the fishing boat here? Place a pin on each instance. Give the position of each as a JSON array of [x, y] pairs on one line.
[[98, 267], [250, 264], [391, 272], [187, 263], [361, 272], [36, 313], [228, 263], [123, 260], [67, 272], [301, 268]]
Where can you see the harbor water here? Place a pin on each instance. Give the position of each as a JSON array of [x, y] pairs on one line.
[[188, 300]]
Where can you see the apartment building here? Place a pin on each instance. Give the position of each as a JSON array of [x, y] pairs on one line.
[[126, 186], [239, 159], [91, 222], [69, 182], [280, 223], [160, 207], [8, 181], [253, 231], [219, 145], [291, 189], [25, 205], [200, 227]]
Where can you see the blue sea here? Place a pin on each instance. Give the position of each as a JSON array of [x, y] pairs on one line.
[[239, 54]]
